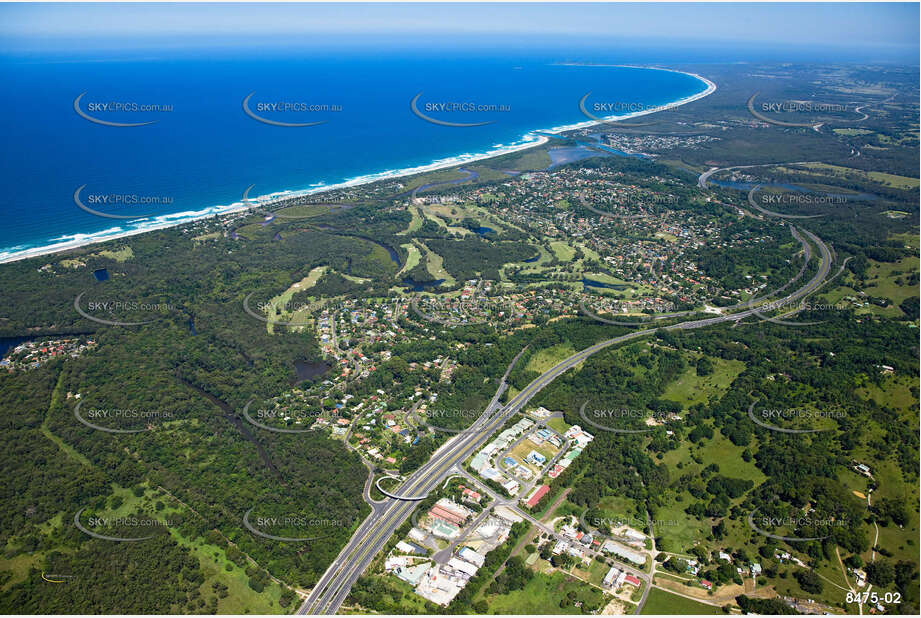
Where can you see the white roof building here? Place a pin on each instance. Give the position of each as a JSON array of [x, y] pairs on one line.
[[463, 566], [611, 576], [472, 556]]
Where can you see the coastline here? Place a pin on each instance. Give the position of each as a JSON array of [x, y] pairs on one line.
[[531, 139]]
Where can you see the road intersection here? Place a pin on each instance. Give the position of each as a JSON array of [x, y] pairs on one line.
[[386, 516]]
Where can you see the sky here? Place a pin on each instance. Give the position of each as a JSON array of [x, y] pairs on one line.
[[871, 25]]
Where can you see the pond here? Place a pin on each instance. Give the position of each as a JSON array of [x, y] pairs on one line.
[[8, 343], [419, 286], [310, 370], [569, 154], [598, 284]]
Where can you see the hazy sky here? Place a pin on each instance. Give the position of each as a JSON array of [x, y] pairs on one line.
[[836, 24]]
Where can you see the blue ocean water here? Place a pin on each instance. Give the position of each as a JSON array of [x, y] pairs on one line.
[[205, 151]]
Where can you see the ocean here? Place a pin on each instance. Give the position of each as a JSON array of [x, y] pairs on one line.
[[203, 150]]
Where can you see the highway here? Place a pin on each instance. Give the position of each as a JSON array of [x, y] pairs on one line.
[[386, 516]]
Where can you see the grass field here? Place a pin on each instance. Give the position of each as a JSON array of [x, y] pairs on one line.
[[889, 180], [536, 159], [204, 237], [433, 177], [542, 595], [905, 137], [691, 388], [881, 279], [241, 599], [605, 278], [398, 591], [412, 258], [544, 359], [525, 447], [122, 254], [620, 508], [278, 303], [562, 250], [305, 211], [677, 531], [718, 450], [487, 174], [661, 602], [896, 393], [18, 568], [453, 212], [558, 424], [444, 215], [414, 224], [434, 263], [590, 253]]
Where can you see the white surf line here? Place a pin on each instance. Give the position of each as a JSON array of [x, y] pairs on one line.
[[531, 139]]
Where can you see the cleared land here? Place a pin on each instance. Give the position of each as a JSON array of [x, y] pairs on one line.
[[662, 602]]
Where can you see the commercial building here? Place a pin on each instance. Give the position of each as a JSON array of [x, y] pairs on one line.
[[536, 495]]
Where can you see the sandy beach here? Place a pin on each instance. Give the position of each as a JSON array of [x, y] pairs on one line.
[[529, 140]]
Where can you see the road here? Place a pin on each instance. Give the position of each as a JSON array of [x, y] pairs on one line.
[[756, 206], [705, 177], [374, 532], [512, 505]]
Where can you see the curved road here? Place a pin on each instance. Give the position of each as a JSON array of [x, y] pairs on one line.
[[756, 206], [705, 177], [373, 533]]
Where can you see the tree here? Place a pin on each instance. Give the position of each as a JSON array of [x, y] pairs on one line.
[[809, 581], [704, 366], [880, 573]]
